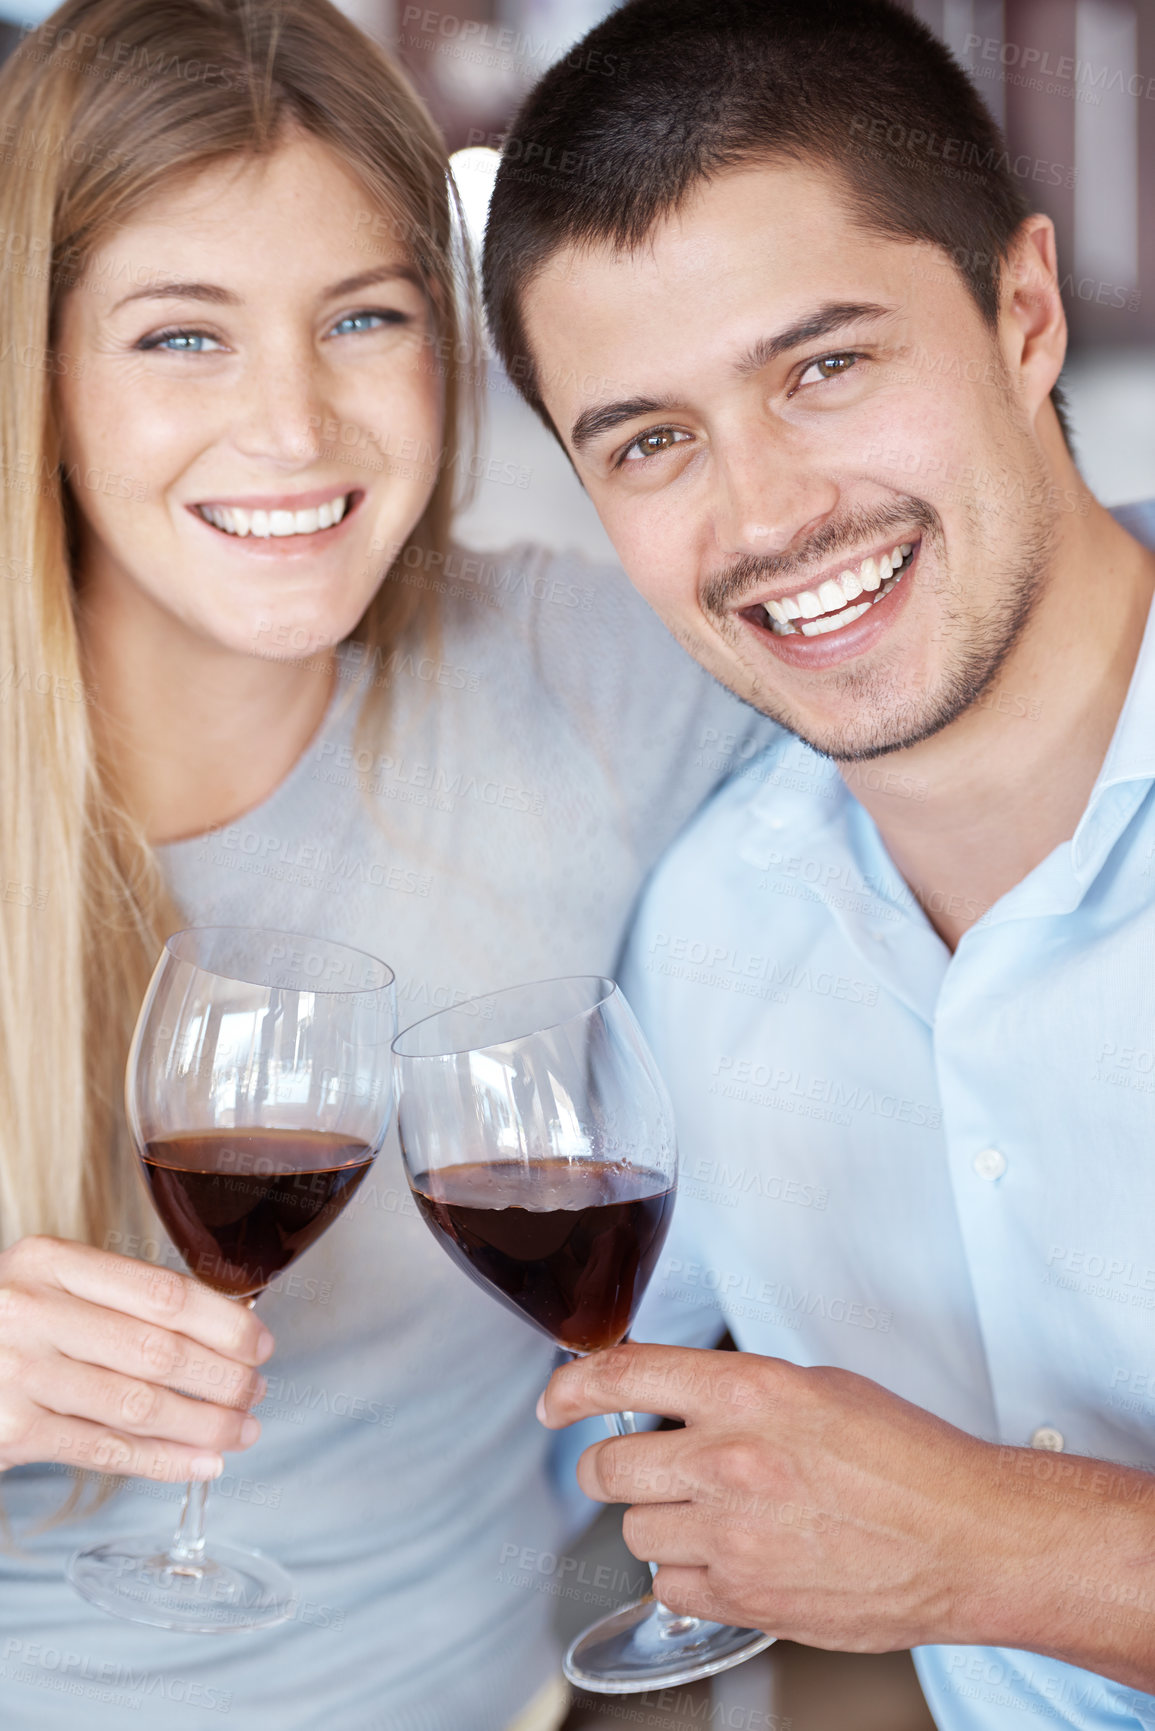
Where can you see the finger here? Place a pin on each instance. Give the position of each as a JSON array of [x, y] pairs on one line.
[[155, 1295], [684, 1382], [660, 1533], [139, 1409], [650, 1467], [94, 1335], [76, 1442], [688, 1591]]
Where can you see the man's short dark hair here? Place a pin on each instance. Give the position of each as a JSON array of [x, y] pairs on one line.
[[666, 93]]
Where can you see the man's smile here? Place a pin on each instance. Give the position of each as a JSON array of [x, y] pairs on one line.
[[854, 609], [833, 602]]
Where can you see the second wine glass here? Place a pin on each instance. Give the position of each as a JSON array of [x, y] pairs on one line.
[[538, 1141]]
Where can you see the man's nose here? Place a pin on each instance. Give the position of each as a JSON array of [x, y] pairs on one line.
[[767, 499]]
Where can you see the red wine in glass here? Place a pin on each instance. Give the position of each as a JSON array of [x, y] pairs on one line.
[[569, 1244], [242, 1205], [538, 1140], [257, 1092]]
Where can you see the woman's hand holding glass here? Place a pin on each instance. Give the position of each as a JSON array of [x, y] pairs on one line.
[[101, 1356], [258, 1092]]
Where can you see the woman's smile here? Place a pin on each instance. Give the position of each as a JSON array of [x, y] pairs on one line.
[[281, 524]]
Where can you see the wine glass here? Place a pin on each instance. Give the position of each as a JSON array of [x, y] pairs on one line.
[[258, 1091], [538, 1141]]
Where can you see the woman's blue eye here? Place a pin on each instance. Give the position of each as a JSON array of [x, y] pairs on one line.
[[366, 322], [182, 342]]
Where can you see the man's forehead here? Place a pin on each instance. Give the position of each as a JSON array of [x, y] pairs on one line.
[[760, 259], [751, 213]]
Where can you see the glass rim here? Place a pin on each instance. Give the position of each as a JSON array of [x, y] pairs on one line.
[[607, 989], [327, 991]]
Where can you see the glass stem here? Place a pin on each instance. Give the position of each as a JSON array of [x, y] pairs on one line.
[[672, 1622], [186, 1554]]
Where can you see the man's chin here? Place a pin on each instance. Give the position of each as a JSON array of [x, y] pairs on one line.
[[849, 737]]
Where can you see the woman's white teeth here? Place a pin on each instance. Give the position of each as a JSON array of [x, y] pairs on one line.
[[831, 606], [265, 525]]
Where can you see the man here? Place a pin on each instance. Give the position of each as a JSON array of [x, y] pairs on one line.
[[777, 292]]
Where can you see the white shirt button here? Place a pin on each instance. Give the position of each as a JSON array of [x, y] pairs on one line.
[[1047, 1437], [990, 1163]]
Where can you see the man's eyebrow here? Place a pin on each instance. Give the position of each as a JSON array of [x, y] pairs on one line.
[[207, 291], [604, 417], [820, 323], [592, 423]]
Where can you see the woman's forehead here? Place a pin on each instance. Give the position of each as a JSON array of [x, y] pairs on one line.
[[297, 208]]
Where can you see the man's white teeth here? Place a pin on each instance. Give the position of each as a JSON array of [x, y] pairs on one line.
[[835, 621], [267, 524], [831, 606]]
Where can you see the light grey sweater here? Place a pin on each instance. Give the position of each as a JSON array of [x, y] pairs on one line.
[[530, 772]]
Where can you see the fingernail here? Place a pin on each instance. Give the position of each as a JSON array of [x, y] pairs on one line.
[[540, 1409], [207, 1467], [250, 1431], [265, 1344]]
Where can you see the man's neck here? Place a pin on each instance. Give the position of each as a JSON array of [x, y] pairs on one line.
[[969, 813]]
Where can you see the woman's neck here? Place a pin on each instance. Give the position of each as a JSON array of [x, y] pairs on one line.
[[196, 733]]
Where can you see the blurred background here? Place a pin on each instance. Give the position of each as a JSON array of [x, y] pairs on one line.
[[1072, 83]]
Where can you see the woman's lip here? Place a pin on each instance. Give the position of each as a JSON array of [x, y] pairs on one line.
[[278, 501], [812, 654], [280, 546]]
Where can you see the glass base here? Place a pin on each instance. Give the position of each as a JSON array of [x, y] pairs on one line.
[[228, 1589], [644, 1646]]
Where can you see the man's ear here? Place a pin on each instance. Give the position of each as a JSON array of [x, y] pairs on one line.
[[1032, 323]]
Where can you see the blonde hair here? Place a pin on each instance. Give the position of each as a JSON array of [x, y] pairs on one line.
[[111, 100]]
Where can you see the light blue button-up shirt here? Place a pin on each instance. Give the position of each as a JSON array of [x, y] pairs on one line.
[[935, 1170]]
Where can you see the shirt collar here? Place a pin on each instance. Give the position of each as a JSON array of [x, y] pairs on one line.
[[1130, 761], [803, 797]]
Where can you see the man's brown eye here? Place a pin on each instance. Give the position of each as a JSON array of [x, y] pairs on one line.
[[653, 443], [831, 364]]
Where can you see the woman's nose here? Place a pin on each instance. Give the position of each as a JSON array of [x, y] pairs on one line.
[[283, 411]]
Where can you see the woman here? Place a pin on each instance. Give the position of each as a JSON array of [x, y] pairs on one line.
[[245, 680]]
